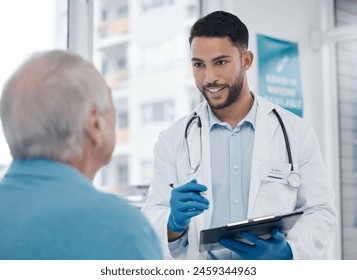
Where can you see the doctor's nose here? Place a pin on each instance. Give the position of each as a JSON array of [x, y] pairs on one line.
[[211, 77]]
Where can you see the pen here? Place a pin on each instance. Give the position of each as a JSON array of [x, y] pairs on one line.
[[171, 185]]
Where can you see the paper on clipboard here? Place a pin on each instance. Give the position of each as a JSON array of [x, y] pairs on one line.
[[261, 226]]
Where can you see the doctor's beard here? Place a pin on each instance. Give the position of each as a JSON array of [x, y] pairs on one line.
[[233, 94]]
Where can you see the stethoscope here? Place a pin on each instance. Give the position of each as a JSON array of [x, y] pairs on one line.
[[197, 118], [294, 178]]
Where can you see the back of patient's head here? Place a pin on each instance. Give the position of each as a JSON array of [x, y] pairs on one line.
[[46, 102]]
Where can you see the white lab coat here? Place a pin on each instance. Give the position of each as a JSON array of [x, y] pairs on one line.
[[315, 196]]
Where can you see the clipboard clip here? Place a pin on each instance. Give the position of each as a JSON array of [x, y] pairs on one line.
[[250, 221]]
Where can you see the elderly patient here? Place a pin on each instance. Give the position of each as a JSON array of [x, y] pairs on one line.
[[59, 121]]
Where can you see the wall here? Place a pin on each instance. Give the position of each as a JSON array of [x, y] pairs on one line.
[[346, 17]]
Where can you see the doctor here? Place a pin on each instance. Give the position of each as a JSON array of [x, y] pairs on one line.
[[228, 160]]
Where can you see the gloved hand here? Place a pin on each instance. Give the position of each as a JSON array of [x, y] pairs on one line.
[[185, 203], [274, 248]]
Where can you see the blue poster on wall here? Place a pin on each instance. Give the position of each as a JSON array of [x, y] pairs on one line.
[[279, 73]]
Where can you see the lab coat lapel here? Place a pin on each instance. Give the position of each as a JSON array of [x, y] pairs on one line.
[[264, 130]]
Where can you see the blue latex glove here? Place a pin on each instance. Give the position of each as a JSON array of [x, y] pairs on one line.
[[185, 203], [274, 248]]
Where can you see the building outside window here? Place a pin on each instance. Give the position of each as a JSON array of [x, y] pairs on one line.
[[154, 112], [151, 4], [147, 66]]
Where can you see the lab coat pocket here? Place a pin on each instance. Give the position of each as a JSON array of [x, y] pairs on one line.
[[275, 198]]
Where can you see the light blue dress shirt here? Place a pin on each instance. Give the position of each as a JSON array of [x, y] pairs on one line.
[[231, 170]]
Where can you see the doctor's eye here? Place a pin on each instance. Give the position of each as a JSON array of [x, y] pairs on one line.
[[221, 62], [197, 65]]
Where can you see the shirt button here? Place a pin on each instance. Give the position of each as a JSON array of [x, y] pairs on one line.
[[235, 167], [236, 200]]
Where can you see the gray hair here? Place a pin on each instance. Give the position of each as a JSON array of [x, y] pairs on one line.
[[45, 105]]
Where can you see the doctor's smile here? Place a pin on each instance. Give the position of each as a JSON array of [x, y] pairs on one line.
[[214, 90]]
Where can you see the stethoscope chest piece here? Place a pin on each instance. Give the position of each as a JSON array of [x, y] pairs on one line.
[[294, 179]]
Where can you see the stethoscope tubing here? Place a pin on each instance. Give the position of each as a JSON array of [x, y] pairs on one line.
[[199, 125], [293, 174], [287, 143]]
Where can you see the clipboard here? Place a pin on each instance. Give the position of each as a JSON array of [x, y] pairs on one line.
[[261, 226]]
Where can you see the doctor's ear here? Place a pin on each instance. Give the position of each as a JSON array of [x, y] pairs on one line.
[[247, 60]]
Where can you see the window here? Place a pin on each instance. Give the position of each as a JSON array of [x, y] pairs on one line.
[[157, 111], [195, 96], [145, 63], [146, 166], [121, 105], [104, 16], [123, 172], [150, 4], [123, 11], [27, 27], [113, 62], [116, 175], [159, 56], [123, 119], [104, 67], [121, 63]]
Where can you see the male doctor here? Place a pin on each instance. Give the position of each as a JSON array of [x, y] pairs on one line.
[[213, 166]]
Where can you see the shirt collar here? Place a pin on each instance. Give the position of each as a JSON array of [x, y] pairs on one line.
[[46, 168], [249, 118]]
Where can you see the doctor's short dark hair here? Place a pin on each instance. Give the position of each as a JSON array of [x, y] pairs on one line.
[[221, 24]]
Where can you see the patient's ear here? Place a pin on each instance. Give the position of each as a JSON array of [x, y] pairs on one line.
[[93, 128]]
